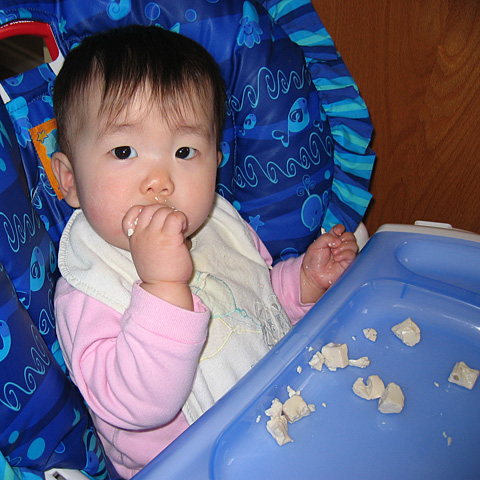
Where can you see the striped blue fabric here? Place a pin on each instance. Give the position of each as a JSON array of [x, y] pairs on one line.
[[346, 111]]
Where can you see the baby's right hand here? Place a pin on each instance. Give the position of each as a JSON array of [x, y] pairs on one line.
[[158, 248]]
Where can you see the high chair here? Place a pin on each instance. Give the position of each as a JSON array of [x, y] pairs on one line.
[[296, 159]]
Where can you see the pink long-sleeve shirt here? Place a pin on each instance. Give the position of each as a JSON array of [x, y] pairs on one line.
[[136, 370]]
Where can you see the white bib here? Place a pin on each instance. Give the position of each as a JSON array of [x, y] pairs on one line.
[[230, 277]]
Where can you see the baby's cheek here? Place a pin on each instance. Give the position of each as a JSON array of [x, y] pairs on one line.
[[107, 224]]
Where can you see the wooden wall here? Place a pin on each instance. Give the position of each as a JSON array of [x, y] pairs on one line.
[[417, 65]]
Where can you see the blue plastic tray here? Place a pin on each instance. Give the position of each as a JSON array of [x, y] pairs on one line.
[[430, 275]]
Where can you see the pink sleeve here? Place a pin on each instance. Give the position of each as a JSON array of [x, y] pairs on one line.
[[285, 276], [134, 371]]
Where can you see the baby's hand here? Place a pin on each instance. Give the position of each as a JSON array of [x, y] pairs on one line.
[[159, 251], [325, 260]]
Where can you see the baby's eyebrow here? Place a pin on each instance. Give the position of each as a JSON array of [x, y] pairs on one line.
[[113, 128], [200, 130]]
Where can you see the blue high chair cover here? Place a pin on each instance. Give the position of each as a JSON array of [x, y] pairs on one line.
[[296, 157], [43, 420]]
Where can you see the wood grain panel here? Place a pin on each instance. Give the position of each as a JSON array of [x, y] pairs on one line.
[[417, 64]]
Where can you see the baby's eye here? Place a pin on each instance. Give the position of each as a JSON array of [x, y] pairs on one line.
[[122, 153], [186, 153]]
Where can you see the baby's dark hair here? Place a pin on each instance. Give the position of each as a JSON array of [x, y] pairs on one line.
[[175, 70]]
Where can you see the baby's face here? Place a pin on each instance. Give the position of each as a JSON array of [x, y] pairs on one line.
[[141, 159]]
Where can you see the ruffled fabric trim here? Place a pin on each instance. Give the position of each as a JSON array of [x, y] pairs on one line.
[[346, 111]]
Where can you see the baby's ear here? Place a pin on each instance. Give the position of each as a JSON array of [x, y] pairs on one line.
[[219, 157], [63, 171]]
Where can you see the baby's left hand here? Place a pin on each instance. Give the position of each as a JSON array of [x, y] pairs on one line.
[[325, 260]]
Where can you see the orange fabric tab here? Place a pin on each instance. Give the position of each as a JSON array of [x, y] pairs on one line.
[[43, 138]]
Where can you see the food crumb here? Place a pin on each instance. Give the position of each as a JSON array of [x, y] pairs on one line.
[[370, 334], [463, 375], [436, 384], [299, 369], [335, 355], [408, 332], [362, 362], [317, 361]]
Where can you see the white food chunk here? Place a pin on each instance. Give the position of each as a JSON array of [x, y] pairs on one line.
[[361, 362], [360, 389], [291, 392], [292, 410], [275, 409], [408, 332], [336, 355], [372, 390], [317, 361], [277, 425], [463, 375], [296, 408], [278, 429], [392, 399], [370, 334], [375, 386]]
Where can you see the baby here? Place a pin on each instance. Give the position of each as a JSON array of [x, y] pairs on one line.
[[167, 297]]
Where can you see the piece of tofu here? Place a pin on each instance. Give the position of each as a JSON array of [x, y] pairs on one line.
[[375, 387], [275, 409], [370, 334], [372, 390], [360, 389], [407, 331], [463, 375], [317, 361], [392, 399], [336, 355], [278, 429], [296, 408], [277, 425], [361, 362]]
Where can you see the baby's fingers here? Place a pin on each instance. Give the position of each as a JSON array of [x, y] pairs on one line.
[[347, 250], [344, 254], [130, 220], [337, 230], [175, 223]]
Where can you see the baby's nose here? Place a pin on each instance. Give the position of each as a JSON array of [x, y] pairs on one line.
[[159, 182]]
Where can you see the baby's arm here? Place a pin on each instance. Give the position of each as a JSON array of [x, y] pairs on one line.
[[325, 260], [285, 277], [159, 252], [135, 371]]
